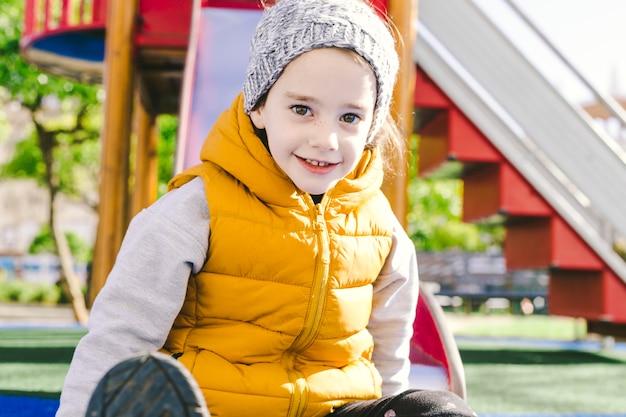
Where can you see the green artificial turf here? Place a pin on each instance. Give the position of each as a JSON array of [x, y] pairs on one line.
[[500, 379], [544, 381], [507, 325], [35, 361]]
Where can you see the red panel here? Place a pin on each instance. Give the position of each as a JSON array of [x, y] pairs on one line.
[[426, 344], [99, 10], [30, 17], [481, 192], [163, 23], [593, 295], [547, 241], [569, 251], [65, 14], [527, 243], [615, 295], [518, 197], [499, 188], [433, 144], [234, 4], [427, 93], [577, 294], [467, 143], [380, 6]]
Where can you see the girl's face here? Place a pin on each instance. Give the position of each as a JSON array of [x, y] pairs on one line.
[[318, 115]]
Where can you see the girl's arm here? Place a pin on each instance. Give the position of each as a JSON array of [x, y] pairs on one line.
[[391, 324], [144, 292]]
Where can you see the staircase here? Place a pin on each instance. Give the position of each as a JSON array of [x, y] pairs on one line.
[[527, 155]]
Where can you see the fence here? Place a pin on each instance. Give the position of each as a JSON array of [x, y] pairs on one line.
[[42, 16], [476, 280]]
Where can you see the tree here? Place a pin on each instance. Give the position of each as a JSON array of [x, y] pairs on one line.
[[435, 222], [435, 215], [62, 150], [167, 126]]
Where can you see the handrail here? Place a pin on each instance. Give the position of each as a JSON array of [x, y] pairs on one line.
[[42, 16], [607, 101]]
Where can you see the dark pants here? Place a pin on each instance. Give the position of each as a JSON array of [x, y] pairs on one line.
[[411, 403]]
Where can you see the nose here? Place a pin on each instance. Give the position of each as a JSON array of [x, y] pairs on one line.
[[324, 136]]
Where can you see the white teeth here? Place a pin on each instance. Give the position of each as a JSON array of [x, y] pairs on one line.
[[317, 163]]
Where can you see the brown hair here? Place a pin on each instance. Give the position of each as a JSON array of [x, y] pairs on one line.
[[392, 143]]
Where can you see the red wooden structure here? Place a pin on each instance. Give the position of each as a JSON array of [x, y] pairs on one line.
[[537, 237]]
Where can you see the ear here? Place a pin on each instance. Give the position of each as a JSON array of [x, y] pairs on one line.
[[257, 118]]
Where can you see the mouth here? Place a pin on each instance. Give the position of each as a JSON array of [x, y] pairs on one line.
[[316, 166], [317, 163]]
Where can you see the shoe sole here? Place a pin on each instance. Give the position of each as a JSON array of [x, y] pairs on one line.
[[148, 385]]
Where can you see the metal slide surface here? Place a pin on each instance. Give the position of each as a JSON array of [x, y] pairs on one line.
[[557, 147]]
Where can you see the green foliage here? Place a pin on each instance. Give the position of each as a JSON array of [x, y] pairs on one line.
[[81, 250], [44, 243], [435, 218], [22, 80], [27, 161], [62, 151], [435, 215], [5, 126], [77, 165], [167, 127], [29, 292]]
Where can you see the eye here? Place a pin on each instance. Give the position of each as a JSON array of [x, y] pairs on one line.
[[301, 110], [350, 118]]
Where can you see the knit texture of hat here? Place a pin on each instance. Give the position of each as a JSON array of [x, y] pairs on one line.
[[293, 27]]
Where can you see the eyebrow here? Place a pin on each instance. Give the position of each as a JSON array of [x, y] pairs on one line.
[[300, 97], [305, 98]]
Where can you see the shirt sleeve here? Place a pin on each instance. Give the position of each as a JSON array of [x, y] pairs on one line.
[[144, 292], [396, 292]]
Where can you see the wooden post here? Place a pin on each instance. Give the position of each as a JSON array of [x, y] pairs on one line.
[[114, 168], [146, 165], [403, 14]]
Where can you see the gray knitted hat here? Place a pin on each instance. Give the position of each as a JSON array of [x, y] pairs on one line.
[[293, 27]]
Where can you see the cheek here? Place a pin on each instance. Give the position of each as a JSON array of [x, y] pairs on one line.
[[357, 144], [353, 151], [277, 144]]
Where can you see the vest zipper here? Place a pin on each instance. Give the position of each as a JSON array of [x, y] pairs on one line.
[[314, 315]]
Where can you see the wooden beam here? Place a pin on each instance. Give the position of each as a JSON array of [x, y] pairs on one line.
[[146, 162], [403, 15], [114, 169]]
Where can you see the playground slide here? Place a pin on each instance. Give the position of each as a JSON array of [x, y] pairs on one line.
[[214, 73], [555, 145]]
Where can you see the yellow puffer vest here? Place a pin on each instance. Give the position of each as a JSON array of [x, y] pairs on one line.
[[275, 323]]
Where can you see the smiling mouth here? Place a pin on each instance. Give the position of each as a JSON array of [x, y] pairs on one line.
[[315, 166], [317, 163]]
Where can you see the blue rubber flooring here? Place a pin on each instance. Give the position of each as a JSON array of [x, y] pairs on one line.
[[14, 406]]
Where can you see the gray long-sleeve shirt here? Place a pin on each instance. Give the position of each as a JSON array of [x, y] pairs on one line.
[[144, 293]]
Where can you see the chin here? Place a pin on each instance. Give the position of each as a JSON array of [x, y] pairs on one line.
[[316, 190]]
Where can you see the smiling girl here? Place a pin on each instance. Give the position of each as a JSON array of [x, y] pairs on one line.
[[274, 278]]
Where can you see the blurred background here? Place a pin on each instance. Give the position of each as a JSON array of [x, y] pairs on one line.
[[512, 195]]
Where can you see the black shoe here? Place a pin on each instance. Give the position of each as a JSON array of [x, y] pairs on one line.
[[148, 385]]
